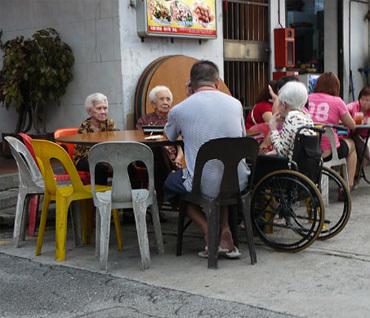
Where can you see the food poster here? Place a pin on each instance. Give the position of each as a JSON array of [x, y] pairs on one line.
[[183, 18]]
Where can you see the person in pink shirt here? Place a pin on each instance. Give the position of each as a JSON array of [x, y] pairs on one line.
[[326, 107], [362, 106]]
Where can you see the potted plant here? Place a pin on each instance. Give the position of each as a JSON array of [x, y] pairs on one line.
[[35, 73]]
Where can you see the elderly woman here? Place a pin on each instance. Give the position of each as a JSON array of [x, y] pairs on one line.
[[97, 107], [292, 98], [167, 158], [290, 115]]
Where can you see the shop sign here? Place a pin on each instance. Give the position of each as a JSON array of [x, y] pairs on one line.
[[173, 18]]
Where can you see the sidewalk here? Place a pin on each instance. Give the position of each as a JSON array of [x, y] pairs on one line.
[[329, 279]]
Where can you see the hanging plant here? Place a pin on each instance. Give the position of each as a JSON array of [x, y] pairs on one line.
[[35, 73]]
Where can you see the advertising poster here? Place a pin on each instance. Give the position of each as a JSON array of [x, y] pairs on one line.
[[181, 18]]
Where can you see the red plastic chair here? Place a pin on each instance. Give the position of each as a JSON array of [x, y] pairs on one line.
[[60, 132]]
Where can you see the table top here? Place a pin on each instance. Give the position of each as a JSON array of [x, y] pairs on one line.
[[362, 126], [124, 135]]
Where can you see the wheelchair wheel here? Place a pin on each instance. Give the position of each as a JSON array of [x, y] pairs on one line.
[[337, 212], [287, 211]]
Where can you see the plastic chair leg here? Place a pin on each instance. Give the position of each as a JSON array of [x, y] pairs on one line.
[[34, 207], [157, 226], [140, 208], [75, 213], [117, 227], [105, 216], [86, 221], [44, 216], [212, 212], [245, 202], [19, 217], [180, 227], [62, 206]]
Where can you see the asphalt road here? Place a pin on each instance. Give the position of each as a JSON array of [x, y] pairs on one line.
[[30, 289]]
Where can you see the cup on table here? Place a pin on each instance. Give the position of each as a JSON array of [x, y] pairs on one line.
[[359, 116]]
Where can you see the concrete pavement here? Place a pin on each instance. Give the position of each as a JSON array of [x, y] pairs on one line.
[[329, 279]]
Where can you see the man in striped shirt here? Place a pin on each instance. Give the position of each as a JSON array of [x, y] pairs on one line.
[[207, 114]]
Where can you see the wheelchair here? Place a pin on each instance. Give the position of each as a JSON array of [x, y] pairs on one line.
[[294, 202]]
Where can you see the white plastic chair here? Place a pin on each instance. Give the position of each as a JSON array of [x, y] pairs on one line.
[[119, 155], [30, 183], [334, 162]]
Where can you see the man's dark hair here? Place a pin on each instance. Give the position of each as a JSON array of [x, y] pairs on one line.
[[203, 73]]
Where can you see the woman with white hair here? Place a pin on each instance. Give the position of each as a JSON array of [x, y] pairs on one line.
[[167, 158], [97, 107], [292, 97]]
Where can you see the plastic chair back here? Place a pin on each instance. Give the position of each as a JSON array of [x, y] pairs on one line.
[[27, 142], [60, 132], [120, 155], [335, 161], [29, 172], [230, 151], [45, 152]]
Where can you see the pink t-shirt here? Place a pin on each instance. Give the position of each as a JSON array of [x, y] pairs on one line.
[[326, 109], [355, 107]]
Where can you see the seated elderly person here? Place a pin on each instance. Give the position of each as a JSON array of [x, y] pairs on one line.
[[97, 107], [291, 116], [167, 158], [292, 98]]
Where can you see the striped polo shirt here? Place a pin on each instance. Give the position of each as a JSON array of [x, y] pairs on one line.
[[206, 115]]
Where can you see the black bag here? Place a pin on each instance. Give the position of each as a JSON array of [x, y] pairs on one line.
[[307, 154]]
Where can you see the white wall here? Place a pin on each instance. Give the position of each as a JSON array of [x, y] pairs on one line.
[[109, 54], [356, 54], [136, 55], [90, 27], [277, 20], [355, 47]]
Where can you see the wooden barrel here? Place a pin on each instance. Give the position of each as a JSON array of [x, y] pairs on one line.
[[172, 71]]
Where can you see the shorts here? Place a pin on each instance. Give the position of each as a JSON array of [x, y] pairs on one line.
[[343, 151], [174, 186]]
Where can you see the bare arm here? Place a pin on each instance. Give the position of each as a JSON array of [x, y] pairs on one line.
[[348, 121]]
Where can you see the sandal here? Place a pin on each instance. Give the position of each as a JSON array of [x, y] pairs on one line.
[[221, 251], [233, 254]]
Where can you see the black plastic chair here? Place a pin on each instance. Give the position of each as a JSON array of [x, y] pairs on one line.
[[230, 151]]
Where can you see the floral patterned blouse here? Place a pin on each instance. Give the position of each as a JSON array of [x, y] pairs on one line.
[[82, 151], [153, 119]]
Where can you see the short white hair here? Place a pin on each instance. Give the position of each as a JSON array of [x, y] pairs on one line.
[[294, 94], [93, 98], [155, 90]]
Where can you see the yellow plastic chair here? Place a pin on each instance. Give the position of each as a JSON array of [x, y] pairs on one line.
[[63, 195]]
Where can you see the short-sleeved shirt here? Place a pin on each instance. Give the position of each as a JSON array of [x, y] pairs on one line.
[[81, 151], [206, 115], [284, 142], [326, 109], [258, 110], [355, 107]]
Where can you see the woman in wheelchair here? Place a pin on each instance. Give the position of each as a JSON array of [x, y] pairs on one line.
[[292, 98]]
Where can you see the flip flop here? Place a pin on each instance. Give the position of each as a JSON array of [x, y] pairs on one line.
[[233, 254], [221, 251]]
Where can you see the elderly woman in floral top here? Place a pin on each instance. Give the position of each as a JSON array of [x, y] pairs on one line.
[[97, 107], [167, 158], [292, 98]]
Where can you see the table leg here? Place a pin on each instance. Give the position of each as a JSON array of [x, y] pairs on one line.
[[361, 171]]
